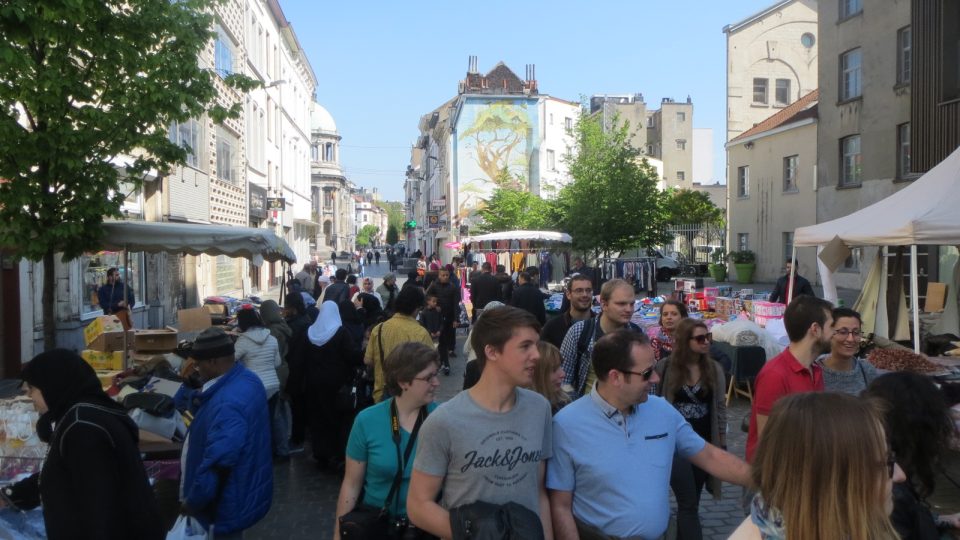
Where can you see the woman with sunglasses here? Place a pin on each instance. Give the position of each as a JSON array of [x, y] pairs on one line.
[[843, 370], [372, 463], [822, 470], [693, 382], [662, 335], [919, 428]]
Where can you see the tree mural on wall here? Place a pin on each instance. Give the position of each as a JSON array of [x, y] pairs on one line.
[[495, 140]]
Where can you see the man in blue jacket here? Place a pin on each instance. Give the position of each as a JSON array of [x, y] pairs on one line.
[[227, 465], [116, 298]]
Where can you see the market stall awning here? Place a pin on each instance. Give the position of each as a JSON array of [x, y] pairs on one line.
[[547, 236], [258, 245]]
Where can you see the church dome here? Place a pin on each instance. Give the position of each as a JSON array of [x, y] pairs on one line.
[[320, 119]]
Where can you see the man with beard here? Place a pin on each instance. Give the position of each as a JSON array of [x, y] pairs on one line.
[[809, 324], [579, 295]]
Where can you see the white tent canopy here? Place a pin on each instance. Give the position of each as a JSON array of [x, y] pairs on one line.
[[925, 212], [257, 245], [548, 236]]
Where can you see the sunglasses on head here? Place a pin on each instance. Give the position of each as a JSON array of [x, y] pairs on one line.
[[703, 338], [645, 374]]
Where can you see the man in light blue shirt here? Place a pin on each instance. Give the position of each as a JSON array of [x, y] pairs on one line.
[[613, 449]]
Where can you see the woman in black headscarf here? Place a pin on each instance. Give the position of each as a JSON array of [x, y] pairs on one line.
[[92, 484]]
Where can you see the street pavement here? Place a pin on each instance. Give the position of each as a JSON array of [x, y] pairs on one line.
[[304, 500]]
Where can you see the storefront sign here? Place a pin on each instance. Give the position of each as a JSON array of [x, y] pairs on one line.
[[258, 202], [276, 203], [438, 204], [433, 221]]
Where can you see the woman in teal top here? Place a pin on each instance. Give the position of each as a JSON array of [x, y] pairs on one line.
[[371, 464]]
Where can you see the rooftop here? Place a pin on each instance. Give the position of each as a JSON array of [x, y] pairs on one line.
[[801, 109]]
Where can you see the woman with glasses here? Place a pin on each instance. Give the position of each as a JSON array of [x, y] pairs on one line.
[[843, 370], [919, 428], [693, 382], [372, 463], [822, 470], [662, 336]]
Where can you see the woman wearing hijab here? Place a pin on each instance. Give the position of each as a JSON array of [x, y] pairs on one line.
[[297, 349], [92, 484], [330, 363]]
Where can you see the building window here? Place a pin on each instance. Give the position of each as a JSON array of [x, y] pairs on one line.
[[783, 92], [743, 182], [270, 123], [681, 175], [187, 135], [808, 40], [315, 152], [743, 241], [255, 150], [223, 53], [904, 64], [551, 119], [93, 271], [851, 168], [849, 8], [850, 62], [760, 91], [568, 123], [681, 144], [227, 156], [903, 150], [551, 160], [852, 263], [651, 121], [790, 173], [787, 245], [681, 116]]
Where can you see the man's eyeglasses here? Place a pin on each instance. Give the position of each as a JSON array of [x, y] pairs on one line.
[[703, 338], [645, 374], [429, 378], [842, 333]]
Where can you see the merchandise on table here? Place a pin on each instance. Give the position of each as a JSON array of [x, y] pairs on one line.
[[896, 359]]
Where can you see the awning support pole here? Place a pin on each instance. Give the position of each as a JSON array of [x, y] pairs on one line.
[[915, 298], [793, 274]]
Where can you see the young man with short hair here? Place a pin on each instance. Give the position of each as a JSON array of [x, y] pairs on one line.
[[579, 294], [448, 296], [809, 324], [489, 443], [616, 310]]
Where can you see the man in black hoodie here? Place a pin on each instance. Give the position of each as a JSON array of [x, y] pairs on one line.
[[484, 288], [449, 299], [527, 296]]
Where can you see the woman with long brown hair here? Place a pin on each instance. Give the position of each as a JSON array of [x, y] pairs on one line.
[[548, 376], [663, 336], [822, 470], [693, 382]]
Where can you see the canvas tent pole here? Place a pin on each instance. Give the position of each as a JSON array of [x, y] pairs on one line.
[[126, 283], [793, 273], [914, 298]]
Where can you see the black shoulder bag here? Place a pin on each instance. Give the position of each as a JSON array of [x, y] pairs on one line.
[[367, 522]]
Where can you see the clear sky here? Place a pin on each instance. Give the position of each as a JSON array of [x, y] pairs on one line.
[[381, 65]]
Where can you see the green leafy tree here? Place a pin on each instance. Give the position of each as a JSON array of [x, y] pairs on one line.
[[83, 83], [392, 235], [689, 207], [366, 235], [613, 202], [396, 214], [512, 207]]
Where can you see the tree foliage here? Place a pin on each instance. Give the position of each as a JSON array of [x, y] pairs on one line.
[[613, 202], [395, 213], [392, 235], [82, 84], [367, 235], [512, 207], [686, 206]]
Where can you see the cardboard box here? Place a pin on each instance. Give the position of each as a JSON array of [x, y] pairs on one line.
[[110, 342], [155, 340], [106, 377], [194, 320], [103, 360], [936, 297], [101, 325]]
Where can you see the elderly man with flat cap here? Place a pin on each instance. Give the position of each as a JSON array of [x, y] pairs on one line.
[[227, 465]]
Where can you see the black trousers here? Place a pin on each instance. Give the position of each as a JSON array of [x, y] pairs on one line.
[[687, 481], [448, 339]]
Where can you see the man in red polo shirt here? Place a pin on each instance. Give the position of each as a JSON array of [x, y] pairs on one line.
[[809, 324]]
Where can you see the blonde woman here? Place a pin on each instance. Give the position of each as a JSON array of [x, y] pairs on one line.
[[548, 376], [822, 470]]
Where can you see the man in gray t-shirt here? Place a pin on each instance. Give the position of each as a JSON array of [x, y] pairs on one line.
[[489, 443]]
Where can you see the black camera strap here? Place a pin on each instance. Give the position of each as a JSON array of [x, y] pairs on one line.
[[401, 460]]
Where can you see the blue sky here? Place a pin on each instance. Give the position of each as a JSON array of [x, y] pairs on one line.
[[381, 65]]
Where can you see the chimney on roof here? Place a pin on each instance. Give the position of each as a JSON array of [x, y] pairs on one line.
[[688, 98], [472, 65]]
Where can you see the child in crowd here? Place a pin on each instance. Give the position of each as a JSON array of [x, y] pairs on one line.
[[431, 318]]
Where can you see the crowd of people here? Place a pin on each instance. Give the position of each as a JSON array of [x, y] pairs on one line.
[[575, 427]]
